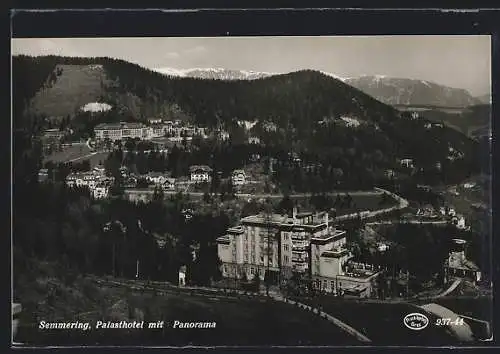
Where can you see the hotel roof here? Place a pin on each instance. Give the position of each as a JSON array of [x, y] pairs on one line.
[[332, 234], [120, 125], [464, 264], [335, 253], [280, 220], [203, 168]]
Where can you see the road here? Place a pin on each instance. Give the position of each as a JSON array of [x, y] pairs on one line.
[[165, 288], [402, 203], [82, 157], [417, 222], [258, 196]]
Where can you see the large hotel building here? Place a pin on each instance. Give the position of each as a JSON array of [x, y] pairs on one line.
[[122, 130], [306, 243]]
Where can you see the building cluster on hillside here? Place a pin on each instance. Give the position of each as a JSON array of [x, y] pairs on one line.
[[176, 130], [280, 245], [446, 212], [457, 266], [159, 179], [430, 125], [238, 178], [406, 162], [98, 183], [51, 138], [96, 180]]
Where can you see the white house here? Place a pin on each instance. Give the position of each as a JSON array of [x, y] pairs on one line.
[[382, 247], [254, 140], [100, 191], [200, 173], [238, 177], [157, 178], [223, 135], [169, 184], [99, 170], [154, 120], [182, 276], [459, 222], [407, 163]]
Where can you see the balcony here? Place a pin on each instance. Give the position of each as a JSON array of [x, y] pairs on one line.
[[300, 260], [300, 245], [298, 237], [300, 267]]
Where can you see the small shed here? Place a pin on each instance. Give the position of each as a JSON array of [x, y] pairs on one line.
[[182, 276]]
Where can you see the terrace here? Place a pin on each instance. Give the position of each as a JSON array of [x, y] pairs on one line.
[[358, 270], [335, 253], [331, 234]]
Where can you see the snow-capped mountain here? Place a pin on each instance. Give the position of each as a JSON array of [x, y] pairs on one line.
[[225, 74], [215, 73], [398, 91]]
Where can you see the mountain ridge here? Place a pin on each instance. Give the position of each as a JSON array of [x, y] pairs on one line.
[[403, 91], [390, 90]]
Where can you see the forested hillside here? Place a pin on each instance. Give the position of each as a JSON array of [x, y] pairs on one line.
[[313, 114]]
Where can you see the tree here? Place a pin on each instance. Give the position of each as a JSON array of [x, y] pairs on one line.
[[285, 205], [158, 195], [207, 198], [256, 282], [112, 166]]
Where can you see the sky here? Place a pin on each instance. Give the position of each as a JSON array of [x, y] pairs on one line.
[[455, 61]]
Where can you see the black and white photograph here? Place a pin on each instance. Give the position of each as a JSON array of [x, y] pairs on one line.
[[246, 191]]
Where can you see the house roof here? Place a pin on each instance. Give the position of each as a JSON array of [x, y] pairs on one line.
[[120, 125], [237, 172], [196, 168]]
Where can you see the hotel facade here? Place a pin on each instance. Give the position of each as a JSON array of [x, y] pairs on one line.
[[304, 243], [122, 130], [132, 130]]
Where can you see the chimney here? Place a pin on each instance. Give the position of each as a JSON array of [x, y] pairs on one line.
[[326, 219], [294, 215]]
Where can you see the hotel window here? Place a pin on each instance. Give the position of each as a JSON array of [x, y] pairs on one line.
[[285, 235], [332, 285], [285, 259], [324, 284], [252, 270]]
